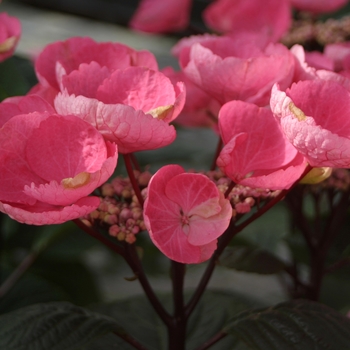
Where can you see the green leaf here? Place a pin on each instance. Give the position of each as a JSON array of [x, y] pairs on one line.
[[30, 289], [142, 323], [74, 277], [251, 259], [269, 231], [54, 326], [296, 325], [16, 77]]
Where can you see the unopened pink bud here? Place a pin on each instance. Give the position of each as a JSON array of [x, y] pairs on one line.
[[125, 214], [126, 193], [130, 238], [113, 209], [111, 219], [130, 222], [144, 178], [242, 208], [121, 236], [103, 206], [107, 190], [114, 230], [250, 201]]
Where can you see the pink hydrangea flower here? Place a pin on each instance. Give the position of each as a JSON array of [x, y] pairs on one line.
[[158, 16], [49, 164], [237, 67], [10, 32], [63, 57], [314, 117], [318, 6], [185, 214], [256, 153], [270, 16], [131, 107]]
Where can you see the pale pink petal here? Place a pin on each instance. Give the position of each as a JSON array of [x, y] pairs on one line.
[[131, 130], [43, 214], [203, 232], [302, 70]]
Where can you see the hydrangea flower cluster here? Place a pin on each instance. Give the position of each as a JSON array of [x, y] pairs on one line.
[[278, 112]]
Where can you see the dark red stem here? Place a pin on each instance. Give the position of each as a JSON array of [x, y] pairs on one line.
[[135, 185]]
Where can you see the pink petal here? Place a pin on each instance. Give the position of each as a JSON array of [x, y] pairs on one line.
[[202, 232], [264, 146], [74, 51], [77, 148], [247, 79], [254, 15], [66, 191], [41, 214], [86, 80], [200, 197], [10, 32], [131, 130], [23, 105], [255, 148], [14, 168], [314, 119], [140, 88], [157, 16]]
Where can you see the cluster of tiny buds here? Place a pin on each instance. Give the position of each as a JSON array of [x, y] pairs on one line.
[[242, 198], [121, 213], [306, 30]]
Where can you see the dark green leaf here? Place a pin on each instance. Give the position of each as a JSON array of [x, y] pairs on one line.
[[16, 77], [142, 323], [250, 259], [73, 277], [296, 325], [30, 289], [54, 326], [346, 252], [268, 231], [335, 291]]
